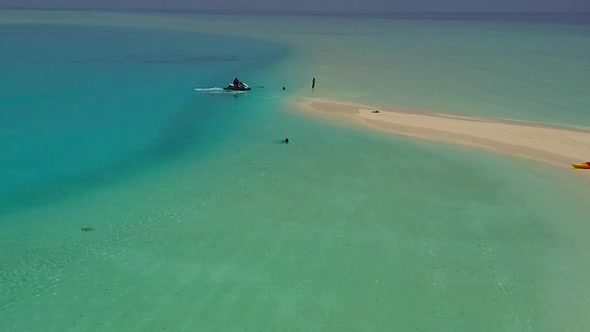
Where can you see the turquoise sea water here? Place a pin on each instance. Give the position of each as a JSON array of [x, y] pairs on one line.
[[527, 67], [86, 104], [509, 69], [203, 221]]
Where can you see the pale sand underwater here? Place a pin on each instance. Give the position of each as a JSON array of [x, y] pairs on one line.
[[556, 145]]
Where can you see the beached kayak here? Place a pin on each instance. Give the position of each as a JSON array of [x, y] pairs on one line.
[[582, 165]]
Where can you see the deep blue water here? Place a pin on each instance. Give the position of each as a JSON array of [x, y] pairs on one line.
[[87, 105]]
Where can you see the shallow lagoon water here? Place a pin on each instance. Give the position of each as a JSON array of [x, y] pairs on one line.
[[203, 220]]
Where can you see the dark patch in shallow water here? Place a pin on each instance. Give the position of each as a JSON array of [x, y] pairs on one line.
[[181, 132]]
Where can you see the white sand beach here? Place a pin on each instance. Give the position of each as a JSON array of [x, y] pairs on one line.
[[556, 145]]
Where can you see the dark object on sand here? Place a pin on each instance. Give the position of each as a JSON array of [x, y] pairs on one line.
[[87, 229], [375, 112]]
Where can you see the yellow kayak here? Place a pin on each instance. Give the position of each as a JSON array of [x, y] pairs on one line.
[[582, 165]]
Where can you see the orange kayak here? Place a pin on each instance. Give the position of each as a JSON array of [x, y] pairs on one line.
[[582, 165]]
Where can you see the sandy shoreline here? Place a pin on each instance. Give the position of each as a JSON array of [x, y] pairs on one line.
[[556, 145]]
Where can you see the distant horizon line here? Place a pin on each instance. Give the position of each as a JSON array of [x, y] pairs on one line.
[[301, 12]]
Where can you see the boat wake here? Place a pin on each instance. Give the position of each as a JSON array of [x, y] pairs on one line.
[[209, 90], [216, 90]]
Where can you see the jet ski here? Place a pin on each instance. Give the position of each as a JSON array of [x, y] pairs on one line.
[[240, 87]]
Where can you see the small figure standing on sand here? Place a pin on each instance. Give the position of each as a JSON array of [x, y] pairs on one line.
[[313, 83]]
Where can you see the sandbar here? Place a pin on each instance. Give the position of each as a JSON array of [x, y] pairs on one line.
[[556, 145]]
